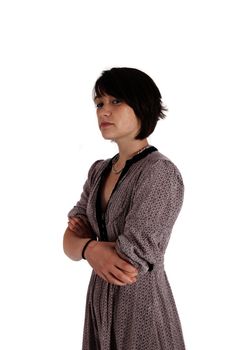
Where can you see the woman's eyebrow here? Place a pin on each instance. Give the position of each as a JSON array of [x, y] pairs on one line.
[[97, 97]]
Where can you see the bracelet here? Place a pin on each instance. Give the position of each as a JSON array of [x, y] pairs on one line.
[[85, 247]]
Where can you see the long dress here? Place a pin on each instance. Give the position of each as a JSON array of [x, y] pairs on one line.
[[139, 217]]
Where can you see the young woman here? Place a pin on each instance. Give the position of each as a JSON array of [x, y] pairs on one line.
[[122, 223]]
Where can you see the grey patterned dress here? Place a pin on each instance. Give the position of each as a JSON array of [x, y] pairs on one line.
[[139, 217]]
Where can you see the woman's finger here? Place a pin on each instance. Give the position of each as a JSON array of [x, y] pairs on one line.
[[125, 266], [121, 276], [73, 222], [70, 225], [113, 280]]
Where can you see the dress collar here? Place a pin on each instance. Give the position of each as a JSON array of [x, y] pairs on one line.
[[137, 156]]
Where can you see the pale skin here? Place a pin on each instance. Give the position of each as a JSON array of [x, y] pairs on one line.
[[117, 122]]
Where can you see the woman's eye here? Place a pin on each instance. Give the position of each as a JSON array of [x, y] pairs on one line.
[[116, 101], [99, 105]]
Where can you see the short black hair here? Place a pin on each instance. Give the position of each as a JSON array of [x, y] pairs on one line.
[[136, 89]]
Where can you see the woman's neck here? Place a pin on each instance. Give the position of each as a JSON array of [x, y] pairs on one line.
[[128, 150]]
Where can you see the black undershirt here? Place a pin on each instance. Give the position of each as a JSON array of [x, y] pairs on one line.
[[99, 214]]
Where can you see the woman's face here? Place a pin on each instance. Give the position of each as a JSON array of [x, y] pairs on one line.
[[117, 120]]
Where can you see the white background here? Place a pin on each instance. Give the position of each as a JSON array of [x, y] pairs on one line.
[[51, 54]]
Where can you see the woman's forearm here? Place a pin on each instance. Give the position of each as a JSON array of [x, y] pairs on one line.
[[73, 245], [102, 257]]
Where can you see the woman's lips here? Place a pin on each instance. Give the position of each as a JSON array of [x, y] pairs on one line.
[[105, 124]]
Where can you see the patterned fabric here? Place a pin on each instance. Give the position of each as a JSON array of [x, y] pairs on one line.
[[139, 217]]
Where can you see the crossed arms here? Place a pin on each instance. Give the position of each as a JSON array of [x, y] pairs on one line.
[[101, 256]]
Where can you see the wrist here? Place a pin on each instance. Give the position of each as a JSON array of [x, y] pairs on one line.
[[89, 242], [89, 248]]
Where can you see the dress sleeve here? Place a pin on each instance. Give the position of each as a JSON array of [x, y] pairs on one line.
[[79, 210], [155, 206]]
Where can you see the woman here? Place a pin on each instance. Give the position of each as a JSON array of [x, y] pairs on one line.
[[122, 223]]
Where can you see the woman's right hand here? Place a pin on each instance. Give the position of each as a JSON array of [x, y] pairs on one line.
[[80, 227], [107, 264]]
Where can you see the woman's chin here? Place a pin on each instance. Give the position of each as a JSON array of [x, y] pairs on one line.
[[107, 136]]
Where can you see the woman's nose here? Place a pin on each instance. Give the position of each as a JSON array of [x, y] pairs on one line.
[[106, 110]]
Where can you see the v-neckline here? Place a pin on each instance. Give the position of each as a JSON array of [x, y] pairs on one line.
[[100, 215]]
